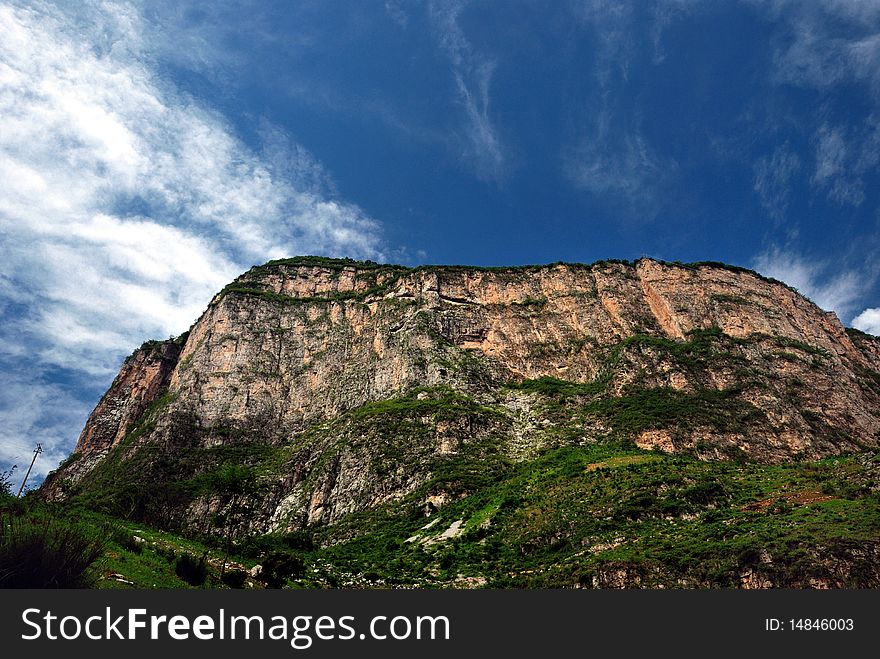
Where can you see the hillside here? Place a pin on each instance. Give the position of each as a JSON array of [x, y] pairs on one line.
[[615, 424]]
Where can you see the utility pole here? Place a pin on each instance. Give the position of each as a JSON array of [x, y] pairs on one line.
[[37, 451]]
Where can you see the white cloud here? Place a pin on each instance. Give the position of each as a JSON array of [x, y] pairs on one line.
[[609, 156], [828, 42], [665, 13], [773, 176], [126, 204], [396, 13], [843, 158], [821, 46], [838, 291], [868, 321], [618, 162], [611, 22], [472, 73]]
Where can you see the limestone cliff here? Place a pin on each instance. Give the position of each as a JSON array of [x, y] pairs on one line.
[[274, 413]]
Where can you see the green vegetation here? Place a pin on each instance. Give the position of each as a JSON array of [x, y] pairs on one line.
[[785, 342], [649, 409], [537, 483], [248, 284], [290, 300], [153, 347], [701, 345], [726, 298], [571, 515], [576, 512], [537, 302], [192, 570], [39, 549], [860, 335], [641, 407], [6, 485], [326, 262]]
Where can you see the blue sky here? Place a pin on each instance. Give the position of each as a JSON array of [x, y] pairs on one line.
[[150, 152]]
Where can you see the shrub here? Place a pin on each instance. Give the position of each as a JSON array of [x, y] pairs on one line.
[[259, 545], [6, 485], [126, 541], [165, 552], [45, 553], [192, 570], [278, 567], [234, 578]]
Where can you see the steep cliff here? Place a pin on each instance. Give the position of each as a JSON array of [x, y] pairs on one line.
[[313, 389], [143, 379]]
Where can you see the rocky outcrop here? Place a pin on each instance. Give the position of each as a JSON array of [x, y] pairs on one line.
[[142, 379], [287, 360], [144, 375]]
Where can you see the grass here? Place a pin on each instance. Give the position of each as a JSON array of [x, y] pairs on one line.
[[517, 517], [550, 386], [662, 407], [563, 518], [279, 298], [571, 516], [785, 342], [39, 549]]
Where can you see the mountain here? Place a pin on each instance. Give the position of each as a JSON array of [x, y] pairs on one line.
[[590, 423]]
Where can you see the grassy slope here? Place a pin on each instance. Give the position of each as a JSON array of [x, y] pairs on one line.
[[559, 520]]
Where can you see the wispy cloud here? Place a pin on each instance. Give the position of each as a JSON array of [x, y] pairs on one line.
[[472, 71], [32, 413], [396, 12], [843, 158], [828, 286], [827, 42], [610, 156], [665, 13], [126, 203], [820, 46], [617, 162], [773, 177]]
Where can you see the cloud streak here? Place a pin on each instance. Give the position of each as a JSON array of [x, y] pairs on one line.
[[617, 163], [824, 46], [827, 42], [611, 157], [773, 177], [842, 161], [126, 204], [472, 73]]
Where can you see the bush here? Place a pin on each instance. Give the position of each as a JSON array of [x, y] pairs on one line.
[[259, 545], [45, 553], [165, 552], [6, 495], [192, 570], [126, 541], [278, 567], [234, 578]]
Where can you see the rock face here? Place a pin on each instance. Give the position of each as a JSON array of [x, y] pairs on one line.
[[273, 412], [142, 380]]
